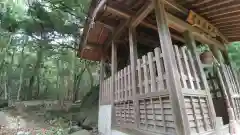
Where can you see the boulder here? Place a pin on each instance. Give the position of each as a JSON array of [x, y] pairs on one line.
[[3, 103], [74, 129], [81, 132]]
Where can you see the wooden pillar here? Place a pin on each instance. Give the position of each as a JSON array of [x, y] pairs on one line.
[[114, 59], [113, 73], [173, 81], [225, 56], [101, 79], [224, 81], [133, 65], [113, 68], [215, 52], [228, 62], [192, 46]]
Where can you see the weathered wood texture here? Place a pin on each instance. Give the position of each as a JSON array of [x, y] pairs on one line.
[[152, 94], [196, 100], [173, 82], [232, 87]]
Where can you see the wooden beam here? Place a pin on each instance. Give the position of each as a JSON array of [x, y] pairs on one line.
[[89, 22], [177, 7], [135, 20], [173, 81], [182, 26], [178, 25], [193, 48], [141, 15], [116, 33]]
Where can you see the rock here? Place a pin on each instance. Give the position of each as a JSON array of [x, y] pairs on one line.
[[23, 133], [74, 129], [82, 132], [3, 103]]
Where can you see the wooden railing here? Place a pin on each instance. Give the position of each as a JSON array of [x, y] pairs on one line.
[[232, 86], [151, 108]]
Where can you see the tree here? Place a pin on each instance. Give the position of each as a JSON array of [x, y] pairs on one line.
[[38, 41]]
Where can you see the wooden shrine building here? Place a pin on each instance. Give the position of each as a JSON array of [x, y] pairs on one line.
[[152, 81]]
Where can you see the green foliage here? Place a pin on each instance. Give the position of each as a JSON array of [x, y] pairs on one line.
[[234, 51], [38, 43]]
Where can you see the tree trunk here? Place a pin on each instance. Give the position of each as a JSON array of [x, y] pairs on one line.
[[21, 74], [90, 76], [5, 76], [35, 73], [5, 86], [9, 81], [76, 84]]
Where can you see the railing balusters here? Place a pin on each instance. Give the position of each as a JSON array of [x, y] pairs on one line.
[[159, 68], [129, 83], [139, 68], [183, 51], [180, 65], [125, 82], [152, 72], [198, 87], [145, 70], [152, 100]]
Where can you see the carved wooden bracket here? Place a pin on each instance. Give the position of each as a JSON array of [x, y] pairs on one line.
[[197, 21]]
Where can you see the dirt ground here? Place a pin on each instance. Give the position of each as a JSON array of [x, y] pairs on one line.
[[12, 121]]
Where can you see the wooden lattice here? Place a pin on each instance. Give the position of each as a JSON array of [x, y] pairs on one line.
[[156, 115], [125, 112], [149, 108], [189, 75], [198, 114]]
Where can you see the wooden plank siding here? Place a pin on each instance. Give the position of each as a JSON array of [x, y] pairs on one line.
[[154, 104]]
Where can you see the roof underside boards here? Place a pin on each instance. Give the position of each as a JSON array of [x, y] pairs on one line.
[[224, 14]]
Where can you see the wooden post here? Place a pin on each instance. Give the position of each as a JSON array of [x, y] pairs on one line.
[[113, 73], [227, 61], [192, 46], [133, 65], [215, 52], [113, 67], [173, 81], [225, 56], [101, 79]]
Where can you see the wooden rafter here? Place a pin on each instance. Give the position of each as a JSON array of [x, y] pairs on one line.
[[226, 18], [143, 23], [141, 15], [226, 22], [135, 20], [178, 25], [176, 7], [221, 10], [214, 4], [182, 26]]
